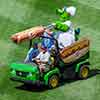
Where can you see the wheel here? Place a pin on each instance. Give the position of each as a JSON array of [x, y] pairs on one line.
[[83, 72], [53, 81]]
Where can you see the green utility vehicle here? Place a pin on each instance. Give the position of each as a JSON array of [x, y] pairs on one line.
[[70, 62]]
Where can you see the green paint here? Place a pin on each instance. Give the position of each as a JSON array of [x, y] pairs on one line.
[[24, 67], [78, 65], [61, 63], [33, 73], [52, 72], [33, 76], [64, 16], [60, 26]]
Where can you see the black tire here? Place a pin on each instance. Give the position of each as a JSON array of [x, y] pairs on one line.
[[53, 81], [83, 72]]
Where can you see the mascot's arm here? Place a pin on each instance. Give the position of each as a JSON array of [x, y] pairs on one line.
[[61, 26]]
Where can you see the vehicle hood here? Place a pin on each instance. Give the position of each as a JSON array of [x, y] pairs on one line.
[[24, 67]]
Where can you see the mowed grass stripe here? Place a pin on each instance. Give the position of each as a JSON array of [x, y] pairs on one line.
[[14, 10], [92, 13], [90, 3], [88, 16], [97, 96], [8, 27], [22, 13], [5, 48], [9, 51], [79, 90]]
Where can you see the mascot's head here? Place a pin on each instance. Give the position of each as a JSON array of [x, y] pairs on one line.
[[66, 12]]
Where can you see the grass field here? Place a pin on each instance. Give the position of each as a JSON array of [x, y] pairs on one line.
[[17, 15]]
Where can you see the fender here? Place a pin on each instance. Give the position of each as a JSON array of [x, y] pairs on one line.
[[52, 72], [83, 62]]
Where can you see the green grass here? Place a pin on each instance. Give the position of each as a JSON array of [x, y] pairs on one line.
[[17, 15]]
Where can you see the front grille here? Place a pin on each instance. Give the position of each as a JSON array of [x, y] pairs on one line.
[[22, 74]]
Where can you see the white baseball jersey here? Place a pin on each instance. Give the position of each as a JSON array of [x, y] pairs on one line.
[[66, 38], [44, 57]]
